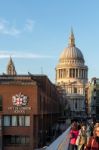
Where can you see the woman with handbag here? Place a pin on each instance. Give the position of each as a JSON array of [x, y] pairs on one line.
[[82, 138]]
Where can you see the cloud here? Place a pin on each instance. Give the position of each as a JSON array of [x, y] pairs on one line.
[[6, 28], [29, 26], [26, 55]]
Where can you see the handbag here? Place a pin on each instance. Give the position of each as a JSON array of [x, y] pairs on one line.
[[77, 140]]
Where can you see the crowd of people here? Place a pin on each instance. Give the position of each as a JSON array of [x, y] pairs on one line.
[[84, 136]]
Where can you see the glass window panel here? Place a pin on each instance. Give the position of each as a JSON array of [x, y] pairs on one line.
[[7, 139], [21, 120], [14, 120], [18, 141], [27, 120], [12, 139], [22, 140], [6, 120], [27, 140]]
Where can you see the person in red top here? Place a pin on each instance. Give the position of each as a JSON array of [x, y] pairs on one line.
[[93, 143], [73, 136]]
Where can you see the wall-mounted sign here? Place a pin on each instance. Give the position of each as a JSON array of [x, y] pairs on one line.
[[19, 100], [19, 109]]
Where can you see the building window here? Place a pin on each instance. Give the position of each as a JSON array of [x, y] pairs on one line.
[[11, 139], [75, 90], [6, 120], [73, 73], [27, 140], [0, 103], [21, 120], [23, 140], [27, 120], [16, 140], [16, 121]]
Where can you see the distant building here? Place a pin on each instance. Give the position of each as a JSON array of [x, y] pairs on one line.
[[72, 77], [88, 99], [29, 106], [94, 98]]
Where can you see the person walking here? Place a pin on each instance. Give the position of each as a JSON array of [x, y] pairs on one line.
[[93, 143], [81, 140], [73, 136]]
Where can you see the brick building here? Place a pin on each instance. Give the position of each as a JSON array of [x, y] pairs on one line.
[[29, 106]]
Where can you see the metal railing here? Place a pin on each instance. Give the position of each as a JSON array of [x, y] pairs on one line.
[[61, 143]]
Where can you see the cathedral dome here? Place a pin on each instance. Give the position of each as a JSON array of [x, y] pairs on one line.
[[72, 52]]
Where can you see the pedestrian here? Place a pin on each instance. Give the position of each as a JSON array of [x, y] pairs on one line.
[[81, 140], [73, 136], [93, 143]]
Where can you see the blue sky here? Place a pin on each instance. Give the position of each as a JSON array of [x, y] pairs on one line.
[[35, 32]]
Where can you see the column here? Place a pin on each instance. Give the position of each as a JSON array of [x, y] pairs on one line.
[[78, 73], [62, 73], [65, 72], [59, 72], [56, 74], [75, 73], [83, 73], [69, 73]]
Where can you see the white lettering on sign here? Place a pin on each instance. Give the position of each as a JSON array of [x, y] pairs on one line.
[[19, 109]]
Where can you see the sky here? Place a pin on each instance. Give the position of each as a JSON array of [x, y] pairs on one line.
[[35, 32]]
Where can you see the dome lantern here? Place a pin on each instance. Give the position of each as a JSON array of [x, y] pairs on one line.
[[72, 39]]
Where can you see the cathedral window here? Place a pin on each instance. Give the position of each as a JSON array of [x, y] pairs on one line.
[[75, 90], [73, 73]]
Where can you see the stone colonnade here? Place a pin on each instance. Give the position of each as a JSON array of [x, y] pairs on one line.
[[71, 73]]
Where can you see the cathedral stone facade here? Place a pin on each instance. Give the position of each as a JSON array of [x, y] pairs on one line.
[[72, 77]]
